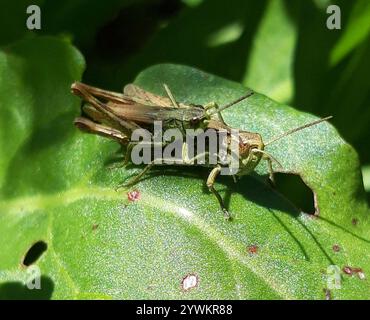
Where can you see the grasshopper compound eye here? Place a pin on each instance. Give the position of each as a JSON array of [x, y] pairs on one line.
[[254, 152], [194, 121]]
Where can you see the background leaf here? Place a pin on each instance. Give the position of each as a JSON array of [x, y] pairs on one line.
[[78, 19], [57, 189], [280, 48]]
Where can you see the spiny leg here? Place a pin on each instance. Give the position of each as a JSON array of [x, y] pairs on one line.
[[210, 182], [271, 171], [269, 158], [152, 163], [130, 146], [126, 158], [192, 160], [135, 179]]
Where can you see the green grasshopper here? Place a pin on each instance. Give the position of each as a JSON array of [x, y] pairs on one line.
[[117, 115]]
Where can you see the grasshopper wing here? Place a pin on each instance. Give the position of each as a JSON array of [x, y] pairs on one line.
[[147, 114], [144, 97]]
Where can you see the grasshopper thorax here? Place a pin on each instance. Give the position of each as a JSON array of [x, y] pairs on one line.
[[249, 146]]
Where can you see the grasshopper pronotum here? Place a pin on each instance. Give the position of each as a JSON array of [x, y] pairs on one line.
[[117, 115]]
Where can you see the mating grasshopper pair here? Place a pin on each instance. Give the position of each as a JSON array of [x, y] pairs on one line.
[[117, 115]]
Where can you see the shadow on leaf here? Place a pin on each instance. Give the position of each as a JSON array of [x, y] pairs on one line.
[[18, 291]]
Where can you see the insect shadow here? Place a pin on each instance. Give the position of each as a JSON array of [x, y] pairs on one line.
[[257, 189], [253, 188], [14, 290]]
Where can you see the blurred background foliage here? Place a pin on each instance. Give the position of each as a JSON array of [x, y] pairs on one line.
[[280, 48]]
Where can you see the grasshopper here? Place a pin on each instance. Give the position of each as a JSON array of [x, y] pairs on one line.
[[117, 115]]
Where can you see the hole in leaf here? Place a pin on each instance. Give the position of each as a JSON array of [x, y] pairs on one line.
[[34, 253], [296, 191], [189, 281]]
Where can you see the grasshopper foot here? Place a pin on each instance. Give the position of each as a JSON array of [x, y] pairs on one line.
[[271, 182], [227, 215]]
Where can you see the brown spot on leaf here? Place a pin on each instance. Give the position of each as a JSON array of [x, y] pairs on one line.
[[347, 270], [133, 195], [94, 226], [354, 270], [336, 248], [253, 249], [355, 221]]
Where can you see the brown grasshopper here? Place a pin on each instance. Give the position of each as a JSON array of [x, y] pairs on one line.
[[117, 115]]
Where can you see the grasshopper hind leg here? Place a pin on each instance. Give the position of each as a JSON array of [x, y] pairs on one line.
[[271, 171], [126, 157], [135, 179]]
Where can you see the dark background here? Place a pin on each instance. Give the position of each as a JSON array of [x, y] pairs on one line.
[[280, 48]]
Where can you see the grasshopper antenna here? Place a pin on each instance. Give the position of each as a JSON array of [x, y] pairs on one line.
[[217, 110], [250, 93], [298, 129]]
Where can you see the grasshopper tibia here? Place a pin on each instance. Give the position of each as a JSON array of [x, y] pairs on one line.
[[210, 182]]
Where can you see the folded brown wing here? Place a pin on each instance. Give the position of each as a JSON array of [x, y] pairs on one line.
[[144, 97]]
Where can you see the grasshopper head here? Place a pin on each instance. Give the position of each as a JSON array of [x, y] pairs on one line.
[[251, 148], [249, 143]]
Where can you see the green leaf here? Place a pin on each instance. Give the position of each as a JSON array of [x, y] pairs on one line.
[[272, 74], [357, 31], [57, 189], [300, 62]]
